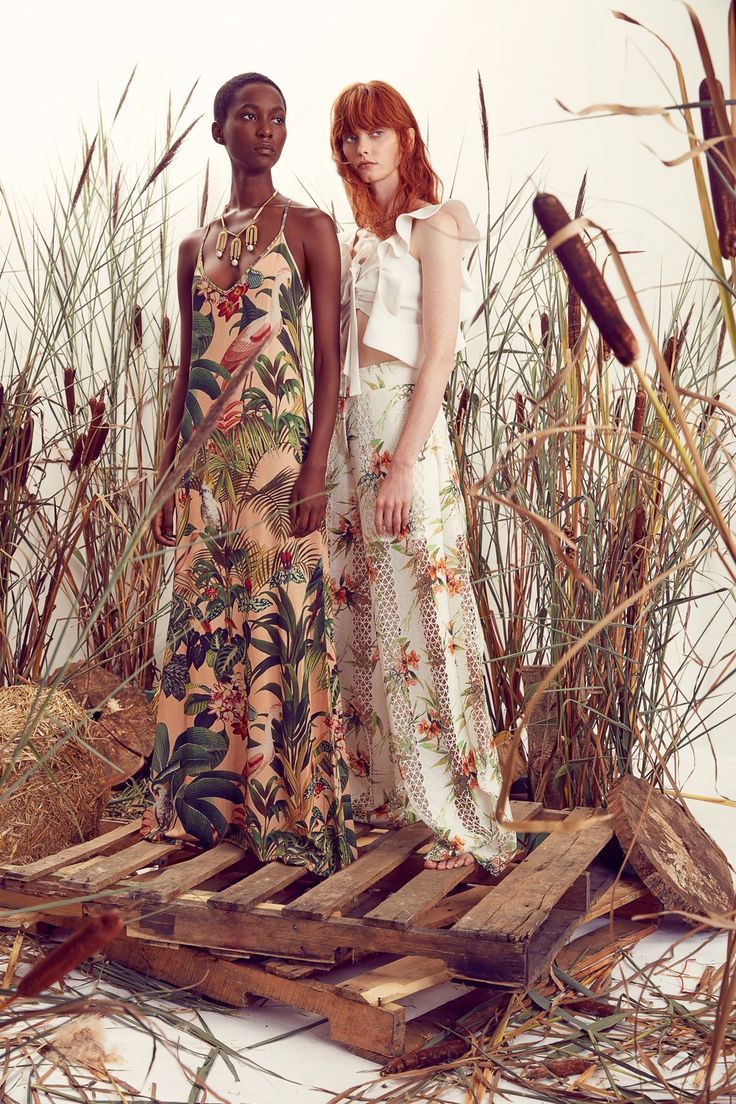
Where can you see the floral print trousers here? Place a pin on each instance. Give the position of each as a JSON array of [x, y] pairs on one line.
[[408, 635]]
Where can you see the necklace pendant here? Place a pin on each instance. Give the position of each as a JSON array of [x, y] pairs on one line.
[[234, 263], [218, 253], [249, 247]]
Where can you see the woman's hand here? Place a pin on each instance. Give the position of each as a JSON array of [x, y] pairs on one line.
[[308, 501], [394, 499], [162, 525]]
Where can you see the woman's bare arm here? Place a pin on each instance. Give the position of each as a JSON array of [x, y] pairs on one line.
[[322, 257], [436, 244], [162, 524]]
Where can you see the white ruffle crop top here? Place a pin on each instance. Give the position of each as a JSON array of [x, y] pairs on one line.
[[382, 279]]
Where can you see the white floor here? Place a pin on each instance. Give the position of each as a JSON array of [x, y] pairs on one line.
[[287, 1055]]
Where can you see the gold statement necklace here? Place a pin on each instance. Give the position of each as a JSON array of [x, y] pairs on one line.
[[249, 233]]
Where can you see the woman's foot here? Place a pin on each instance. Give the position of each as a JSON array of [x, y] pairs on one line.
[[441, 857], [149, 824]]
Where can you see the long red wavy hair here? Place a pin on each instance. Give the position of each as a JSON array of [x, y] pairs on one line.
[[368, 107]]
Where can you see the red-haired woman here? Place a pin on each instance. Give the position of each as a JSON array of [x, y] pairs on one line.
[[410, 647]]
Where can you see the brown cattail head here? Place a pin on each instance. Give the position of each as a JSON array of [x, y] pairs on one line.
[[87, 940], [573, 299], [720, 175], [69, 393], [462, 409], [640, 407], [76, 457], [23, 450], [587, 280], [165, 336], [137, 326], [94, 442], [97, 431]]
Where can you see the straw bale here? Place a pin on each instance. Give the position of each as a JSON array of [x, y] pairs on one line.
[[50, 796], [123, 715]]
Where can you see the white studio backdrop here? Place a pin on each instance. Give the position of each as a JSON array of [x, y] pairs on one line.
[[65, 63]]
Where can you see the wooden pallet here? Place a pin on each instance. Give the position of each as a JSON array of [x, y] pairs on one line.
[[221, 905]]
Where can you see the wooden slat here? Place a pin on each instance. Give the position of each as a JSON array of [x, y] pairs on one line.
[[627, 889], [21, 874], [517, 907], [339, 890], [402, 908], [257, 887], [184, 875], [395, 980], [111, 868]]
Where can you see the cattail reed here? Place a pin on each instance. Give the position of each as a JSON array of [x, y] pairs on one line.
[[94, 443], [87, 940], [573, 299], [587, 280], [721, 177], [76, 457], [137, 327], [165, 336], [640, 408], [69, 393], [462, 409]]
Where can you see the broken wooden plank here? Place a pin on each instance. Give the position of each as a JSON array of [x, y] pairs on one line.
[[379, 1028], [338, 891], [521, 903], [14, 875], [257, 887], [586, 951], [627, 889], [111, 868], [396, 980], [185, 875]]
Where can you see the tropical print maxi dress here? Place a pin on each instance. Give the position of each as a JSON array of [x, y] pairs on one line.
[[250, 737]]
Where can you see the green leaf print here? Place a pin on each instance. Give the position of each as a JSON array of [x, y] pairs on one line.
[[160, 749], [202, 331], [228, 656], [212, 367], [192, 416], [215, 785], [196, 703], [201, 380], [200, 818]]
